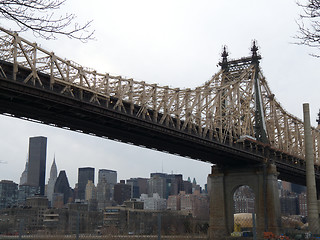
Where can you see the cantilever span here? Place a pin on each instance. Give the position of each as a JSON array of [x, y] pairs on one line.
[[231, 119]]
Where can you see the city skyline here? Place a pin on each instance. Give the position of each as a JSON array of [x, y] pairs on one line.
[[96, 171], [73, 178], [176, 44]]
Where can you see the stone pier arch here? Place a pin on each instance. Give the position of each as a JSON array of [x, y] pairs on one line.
[[223, 184]]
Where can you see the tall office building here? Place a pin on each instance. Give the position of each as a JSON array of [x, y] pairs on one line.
[[103, 194], [138, 186], [110, 177], [52, 181], [165, 184], [24, 175], [37, 163], [174, 184], [157, 184], [122, 192], [84, 175], [62, 188], [8, 193], [135, 191], [91, 191]]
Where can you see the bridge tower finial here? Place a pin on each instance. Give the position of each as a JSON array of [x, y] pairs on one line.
[[254, 49], [224, 55]]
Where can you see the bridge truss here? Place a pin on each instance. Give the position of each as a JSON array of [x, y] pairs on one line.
[[223, 109]]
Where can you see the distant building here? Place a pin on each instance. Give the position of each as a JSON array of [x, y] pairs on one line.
[[195, 187], [103, 194], [302, 199], [174, 203], [122, 192], [289, 205], [138, 186], [134, 204], [8, 193], [244, 200], [24, 175], [41, 204], [110, 177], [58, 200], [52, 181], [243, 205], [25, 192], [174, 184], [157, 184], [298, 188], [135, 190], [196, 204], [165, 184], [187, 203], [62, 186], [73, 217], [143, 185], [91, 192], [31, 216], [287, 186], [187, 187], [37, 163], [153, 203], [84, 175], [124, 220]]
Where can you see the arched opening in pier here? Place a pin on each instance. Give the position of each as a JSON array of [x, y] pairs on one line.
[[244, 209]]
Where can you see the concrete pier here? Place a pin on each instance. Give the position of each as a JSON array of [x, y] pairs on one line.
[[267, 205]]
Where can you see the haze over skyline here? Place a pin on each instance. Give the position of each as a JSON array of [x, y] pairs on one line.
[[171, 43]]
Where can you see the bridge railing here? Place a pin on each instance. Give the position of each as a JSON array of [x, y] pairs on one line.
[[223, 108]]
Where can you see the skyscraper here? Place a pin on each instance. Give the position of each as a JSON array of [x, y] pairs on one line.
[[91, 191], [8, 193], [24, 175], [122, 192], [157, 184], [37, 163], [103, 194], [52, 180], [84, 175], [138, 186], [62, 187], [109, 177]]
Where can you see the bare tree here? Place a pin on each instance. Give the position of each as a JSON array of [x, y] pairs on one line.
[[309, 25], [39, 16]]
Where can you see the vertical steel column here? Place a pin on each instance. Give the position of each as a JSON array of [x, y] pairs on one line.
[[260, 124]]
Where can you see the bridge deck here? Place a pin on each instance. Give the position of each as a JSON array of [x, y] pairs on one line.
[[48, 105]]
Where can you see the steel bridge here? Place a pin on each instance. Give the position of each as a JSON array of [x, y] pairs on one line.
[[231, 120]]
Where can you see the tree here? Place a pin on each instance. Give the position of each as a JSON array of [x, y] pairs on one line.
[[309, 25], [39, 16]]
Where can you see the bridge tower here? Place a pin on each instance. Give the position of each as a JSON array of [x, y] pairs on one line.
[[261, 178]]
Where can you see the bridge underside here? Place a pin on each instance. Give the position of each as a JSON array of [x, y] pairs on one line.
[[48, 106]]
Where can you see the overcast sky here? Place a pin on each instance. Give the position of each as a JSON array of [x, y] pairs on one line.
[[175, 43]]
